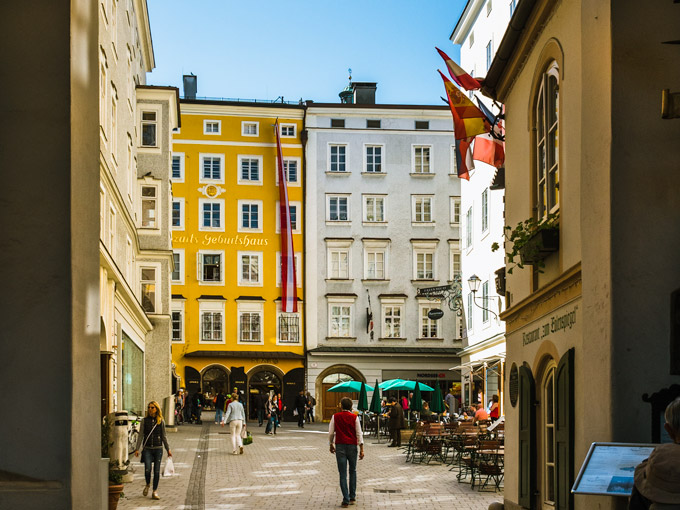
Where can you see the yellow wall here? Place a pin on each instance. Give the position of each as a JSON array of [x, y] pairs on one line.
[[230, 143]]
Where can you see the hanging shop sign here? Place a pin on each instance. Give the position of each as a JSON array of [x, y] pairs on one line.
[[435, 314]]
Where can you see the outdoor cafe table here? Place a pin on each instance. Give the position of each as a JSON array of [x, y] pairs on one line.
[[476, 453]]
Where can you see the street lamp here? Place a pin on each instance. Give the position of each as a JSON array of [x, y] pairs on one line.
[[474, 282]]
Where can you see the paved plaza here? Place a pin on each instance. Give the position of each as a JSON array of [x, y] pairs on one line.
[[292, 470]]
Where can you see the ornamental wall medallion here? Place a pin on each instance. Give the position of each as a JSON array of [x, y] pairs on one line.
[[211, 191]]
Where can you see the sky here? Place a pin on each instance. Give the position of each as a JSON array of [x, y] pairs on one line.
[[302, 49]]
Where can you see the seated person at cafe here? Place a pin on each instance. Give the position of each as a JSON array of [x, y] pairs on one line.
[[481, 413], [657, 479], [426, 412]]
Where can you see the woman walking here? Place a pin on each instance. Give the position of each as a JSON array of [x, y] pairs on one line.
[[272, 415], [152, 440], [236, 418]]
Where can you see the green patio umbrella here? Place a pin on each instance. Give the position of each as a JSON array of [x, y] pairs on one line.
[[383, 385], [376, 404], [416, 403], [437, 405], [349, 387], [407, 385], [362, 405]]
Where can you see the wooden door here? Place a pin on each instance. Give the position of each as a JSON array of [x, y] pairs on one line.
[[331, 401]]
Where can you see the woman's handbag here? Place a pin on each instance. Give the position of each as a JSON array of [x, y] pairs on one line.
[[295, 412], [169, 467], [244, 434]]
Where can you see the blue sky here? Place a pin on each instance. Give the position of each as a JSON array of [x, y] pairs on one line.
[[263, 49]]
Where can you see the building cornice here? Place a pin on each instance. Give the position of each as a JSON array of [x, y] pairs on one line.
[[213, 108], [142, 14], [466, 21]]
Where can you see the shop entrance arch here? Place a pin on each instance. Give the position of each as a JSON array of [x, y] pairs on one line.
[[214, 379], [265, 380], [330, 401]]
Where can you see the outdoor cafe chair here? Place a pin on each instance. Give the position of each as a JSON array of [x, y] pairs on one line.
[[466, 459], [490, 464]]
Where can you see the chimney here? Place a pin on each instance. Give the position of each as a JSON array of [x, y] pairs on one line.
[[364, 92], [190, 86]]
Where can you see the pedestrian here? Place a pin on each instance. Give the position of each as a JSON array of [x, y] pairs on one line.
[[396, 422], [344, 434], [301, 407], [236, 418], [311, 402], [261, 407], [188, 404], [451, 402], [220, 401], [495, 410], [279, 415], [272, 415], [197, 406], [152, 440]]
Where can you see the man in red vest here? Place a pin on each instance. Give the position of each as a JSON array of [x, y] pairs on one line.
[[345, 431]]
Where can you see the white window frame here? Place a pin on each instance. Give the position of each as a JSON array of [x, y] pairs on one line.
[[182, 268], [201, 202], [182, 159], [485, 210], [245, 123], [157, 281], [414, 216], [455, 208], [244, 307], [180, 201], [103, 94], [454, 162], [455, 260], [392, 303], [156, 209], [286, 161], [418, 170], [294, 126], [341, 302], [177, 306], [343, 246], [470, 313], [279, 315], [423, 305], [199, 267], [210, 306], [298, 269], [489, 53], [157, 122], [375, 246], [113, 134], [131, 169], [547, 198], [260, 220], [260, 170], [484, 288], [211, 122], [469, 231], [374, 146], [424, 248], [364, 200], [348, 197], [298, 217], [205, 180], [328, 162], [112, 230], [239, 268]]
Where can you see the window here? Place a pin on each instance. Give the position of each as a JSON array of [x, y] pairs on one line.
[[212, 127], [149, 207], [339, 318], [485, 210], [177, 214], [337, 207], [289, 328], [102, 214], [489, 55], [290, 171], [428, 328], [212, 321], [178, 266], [294, 209], [424, 259], [288, 130], [148, 284], [374, 208], [250, 323], [249, 170], [149, 119], [177, 326], [468, 228], [485, 301], [471, 40], [112, 231], [338, 263], [422, 124], [455, 263], [373, 124], [547, 162], [212, 214], [421, 160], [211, 168], [454, 161], [250, 216], [178, 167], [103, 87], [422, 208], [469, 311], [298, 269], [455, 210], [250, 268], [250, 128], [375, 264], [130, 169], [392, 316], [113, 134], [210, 267], [337, 162], [114, 26], [489, 6], [373, 158], [337, 123]]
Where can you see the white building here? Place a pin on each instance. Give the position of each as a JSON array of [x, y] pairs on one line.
[[478, 32], [382, 220]]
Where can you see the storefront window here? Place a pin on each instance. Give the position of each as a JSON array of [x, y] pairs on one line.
[[337, 378], [133, 376]]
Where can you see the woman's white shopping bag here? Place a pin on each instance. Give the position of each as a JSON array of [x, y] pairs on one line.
[[169, 467]]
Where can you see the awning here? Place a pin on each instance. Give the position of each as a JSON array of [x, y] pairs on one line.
[[474, 366]]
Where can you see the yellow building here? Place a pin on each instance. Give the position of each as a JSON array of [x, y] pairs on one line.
[[228, 329]]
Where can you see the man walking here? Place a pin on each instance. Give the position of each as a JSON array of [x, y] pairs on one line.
[[219, 406], [300, 407], [396, 422], [344, 434]]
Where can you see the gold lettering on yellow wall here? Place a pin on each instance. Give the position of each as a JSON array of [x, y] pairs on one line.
[[220, 240]]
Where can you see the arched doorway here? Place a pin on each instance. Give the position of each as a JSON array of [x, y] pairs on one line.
[[264, 381], [330, 401], [214, 379]]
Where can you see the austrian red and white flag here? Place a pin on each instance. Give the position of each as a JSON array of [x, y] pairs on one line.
[[288, 276]]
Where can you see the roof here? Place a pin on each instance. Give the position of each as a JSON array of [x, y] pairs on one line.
[[451, 351], [360, 106], [244, 354]]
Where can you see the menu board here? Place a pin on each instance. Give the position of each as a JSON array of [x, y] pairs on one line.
[[609, 468]]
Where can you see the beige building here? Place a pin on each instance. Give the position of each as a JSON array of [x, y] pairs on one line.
[[592, 334]]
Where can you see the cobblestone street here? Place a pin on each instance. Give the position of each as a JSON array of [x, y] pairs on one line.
[[292, 470]]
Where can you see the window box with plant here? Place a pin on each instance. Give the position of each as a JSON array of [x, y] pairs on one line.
[[532, 241]]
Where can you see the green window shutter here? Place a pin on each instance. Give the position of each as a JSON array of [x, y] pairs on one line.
[[527, 438], [564, 431]]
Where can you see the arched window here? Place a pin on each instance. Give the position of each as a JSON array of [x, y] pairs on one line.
[[547, 143], [337, 378], [548, 434]]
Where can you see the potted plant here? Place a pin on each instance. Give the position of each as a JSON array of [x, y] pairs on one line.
[[532, 241], [115, 473]]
